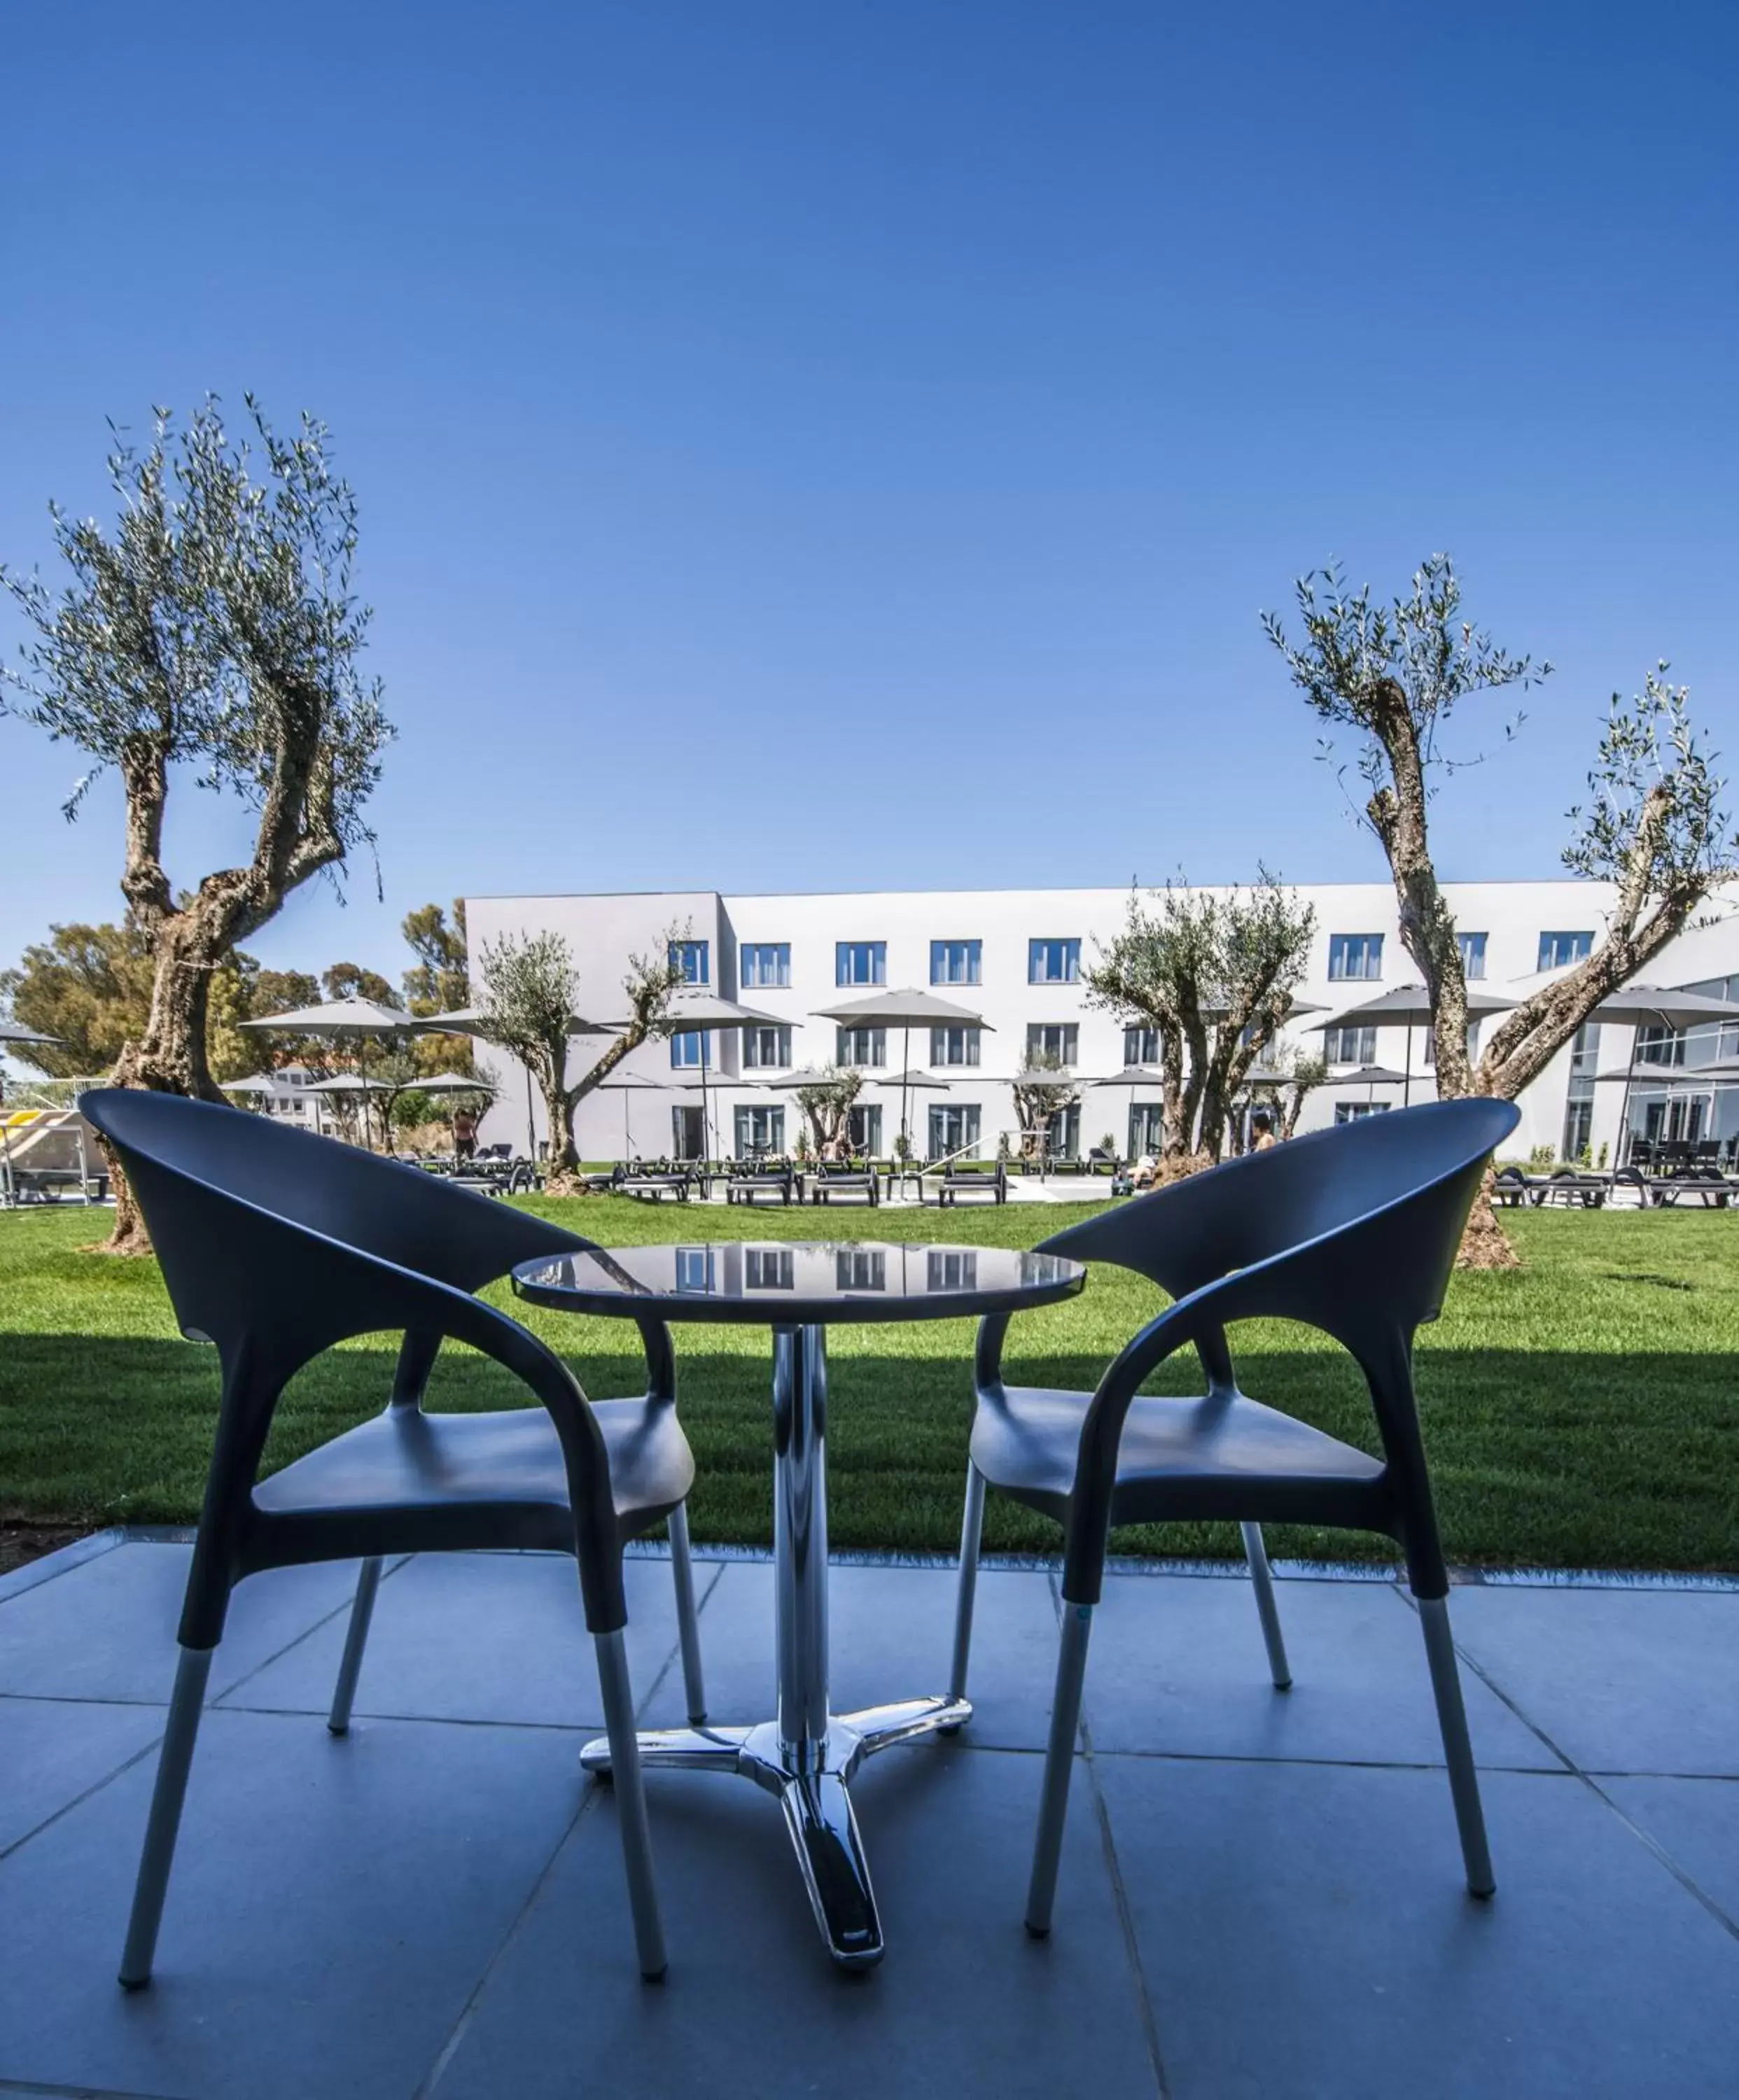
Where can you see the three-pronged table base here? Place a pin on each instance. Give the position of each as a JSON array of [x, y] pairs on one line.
[[810, 1779]]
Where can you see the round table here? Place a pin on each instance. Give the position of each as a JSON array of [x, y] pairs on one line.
[[806, 1753]]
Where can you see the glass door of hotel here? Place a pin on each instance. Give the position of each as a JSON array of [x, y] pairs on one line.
[[864, 1129], [953, 1130], [1146, 1130], [687, 1138]]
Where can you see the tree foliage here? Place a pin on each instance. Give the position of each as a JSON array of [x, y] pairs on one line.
[[213, 637], [826, 1101], [1213, 974], [530, 991], [1043, 1090], [1653, 824]]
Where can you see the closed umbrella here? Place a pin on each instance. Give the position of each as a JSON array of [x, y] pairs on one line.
[[905, 1010]]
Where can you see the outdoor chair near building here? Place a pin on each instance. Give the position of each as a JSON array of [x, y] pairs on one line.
[[834, 1178], [960, 1179], [653, 1179], [274, 1246], [1352, 1231], [746, 1180]]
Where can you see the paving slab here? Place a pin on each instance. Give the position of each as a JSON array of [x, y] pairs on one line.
[[1177, 1665], [480, 1637], [52, 1751], [1696, 1823], [1305, 1930], [891, 1636], [106, 1630], [1622, 1680], [333, 1906], [964, 2001]]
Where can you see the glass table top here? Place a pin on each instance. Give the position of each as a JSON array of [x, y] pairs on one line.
[[799, 1283]]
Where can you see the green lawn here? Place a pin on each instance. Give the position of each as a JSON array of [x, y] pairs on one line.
[[1582, 1412]]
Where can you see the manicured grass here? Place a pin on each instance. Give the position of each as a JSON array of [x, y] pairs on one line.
[[1582, 1412]]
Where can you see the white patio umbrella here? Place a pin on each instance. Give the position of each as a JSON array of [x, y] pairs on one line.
[[913, 1082], [1369, 1076], [1132, 1076], [905, 1010], [703, 1013], [360, 1018], [1409, 1007], [1631, 1005], [1689, 1078]]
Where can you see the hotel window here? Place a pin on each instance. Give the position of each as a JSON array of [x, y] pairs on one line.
[[1472, 947], [951, 1269], [1558, 949], [862, 1046], [1352, 1111], [694, 1268], [690, 957], [760, 1130], [953, 1129], [860, 1268], [1355, 955], [956, 962], [1430, 1045], [689, 1053], [1053, 962], [863, 1128], [1350, 1044], [860, 962], [1141, 1046], [1059, 1040], [765, 966], [767, 1049], [953, 1046], [1657, 1044], [769, 1268]]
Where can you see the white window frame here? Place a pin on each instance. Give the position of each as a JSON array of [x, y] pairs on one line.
[[964, 1036], [943, 971], [1068, 1051], [1341, 951], [751, 969], [845, 959], [1040, 960]]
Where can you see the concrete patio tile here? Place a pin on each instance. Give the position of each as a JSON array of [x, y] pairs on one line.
[[107, 1630], [1696, 1823], [891, 1636], [480, 1637], [1621, 1680], [52, 1751], [964, 2002], [333, 1906], [1305, 1932], [1177, 1665]]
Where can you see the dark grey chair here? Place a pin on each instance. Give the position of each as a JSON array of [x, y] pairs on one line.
[[1353, 1231], [275, 1245]]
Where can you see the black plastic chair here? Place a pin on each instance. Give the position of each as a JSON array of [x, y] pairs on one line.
[[1353, 1231], [275, 1245]]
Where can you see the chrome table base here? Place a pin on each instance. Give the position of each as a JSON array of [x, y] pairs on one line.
[[807, 1755]]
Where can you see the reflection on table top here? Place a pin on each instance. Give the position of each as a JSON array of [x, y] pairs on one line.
[[799, 1283]]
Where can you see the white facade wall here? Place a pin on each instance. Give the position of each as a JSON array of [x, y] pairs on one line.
[[603, 930]]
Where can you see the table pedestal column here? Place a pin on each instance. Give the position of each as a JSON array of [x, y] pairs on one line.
[[806, 1754]]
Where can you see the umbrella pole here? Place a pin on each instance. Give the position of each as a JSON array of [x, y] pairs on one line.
[[530, 1119], [905, 1073], [1407, 1077]]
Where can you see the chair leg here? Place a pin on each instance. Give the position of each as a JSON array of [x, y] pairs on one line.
[[1059, 1764], [972, 1531], [1261, 1578], [688, 1619], [629, 1787], [174, 1762], [356, 1640], [1452, 1717]]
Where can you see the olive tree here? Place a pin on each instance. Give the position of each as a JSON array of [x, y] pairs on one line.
[[530, 991], [211, 639], [1213, 974], [826, 1101], [1653, 825], [1042, 1091]]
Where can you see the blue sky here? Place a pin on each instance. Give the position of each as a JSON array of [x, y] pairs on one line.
[[777, 425]]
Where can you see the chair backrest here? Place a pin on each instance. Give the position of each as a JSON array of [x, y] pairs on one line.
[[192, 1163], [1426, 1162]]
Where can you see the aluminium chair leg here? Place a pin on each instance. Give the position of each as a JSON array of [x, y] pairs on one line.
[[1458, 1747], [688, 1619], [971, 1532], [1263, 1581], [356, 1640], [629, 1786], [1059, 1765], [174, 1760]]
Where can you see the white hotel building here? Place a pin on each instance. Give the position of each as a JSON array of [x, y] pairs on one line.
[[1015, 957]]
